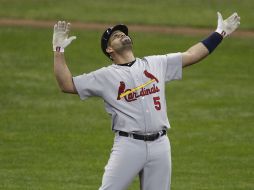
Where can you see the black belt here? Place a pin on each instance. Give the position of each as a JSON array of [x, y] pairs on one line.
[[150, 137]]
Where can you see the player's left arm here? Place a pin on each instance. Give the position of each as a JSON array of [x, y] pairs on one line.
[[204, 48]]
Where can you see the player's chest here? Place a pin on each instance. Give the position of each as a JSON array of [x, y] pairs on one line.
[[131, 84]]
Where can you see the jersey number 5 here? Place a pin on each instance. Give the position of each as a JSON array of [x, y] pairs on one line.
[[157, 104]]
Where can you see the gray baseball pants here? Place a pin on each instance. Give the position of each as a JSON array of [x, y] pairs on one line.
[[151, 160]]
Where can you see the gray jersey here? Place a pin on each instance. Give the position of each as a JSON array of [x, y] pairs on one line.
[[143, 109]]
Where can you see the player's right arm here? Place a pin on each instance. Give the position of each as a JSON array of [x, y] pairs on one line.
[[61, 70], [63, 74]]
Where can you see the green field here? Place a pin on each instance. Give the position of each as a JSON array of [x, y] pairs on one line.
[[54, 141], [159, 12]]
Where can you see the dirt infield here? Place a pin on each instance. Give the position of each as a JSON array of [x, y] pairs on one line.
[[139, 28]]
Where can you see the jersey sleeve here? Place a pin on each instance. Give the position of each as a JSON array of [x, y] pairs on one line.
[[169, 65], [88, 85], [172, 64]]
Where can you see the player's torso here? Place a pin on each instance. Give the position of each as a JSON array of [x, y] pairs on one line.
[[135, 97]]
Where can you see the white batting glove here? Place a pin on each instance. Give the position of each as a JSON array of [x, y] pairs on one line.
[[60, 36], [227, 26]]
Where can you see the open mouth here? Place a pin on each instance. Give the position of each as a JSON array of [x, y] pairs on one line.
[[126, 39]]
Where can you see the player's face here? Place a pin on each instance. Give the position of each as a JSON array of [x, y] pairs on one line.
[[119, 41]]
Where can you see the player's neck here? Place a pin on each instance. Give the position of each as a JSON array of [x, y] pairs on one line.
[[125, 58]]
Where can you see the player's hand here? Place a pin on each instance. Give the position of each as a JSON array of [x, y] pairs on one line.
[[227, 26], [60, 36]]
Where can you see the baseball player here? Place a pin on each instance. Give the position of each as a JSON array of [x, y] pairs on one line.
[[133, 90]]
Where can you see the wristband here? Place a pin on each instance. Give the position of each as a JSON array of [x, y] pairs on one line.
[[212, 41], [58, 49]]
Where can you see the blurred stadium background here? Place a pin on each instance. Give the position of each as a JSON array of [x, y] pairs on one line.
[[53, 141]]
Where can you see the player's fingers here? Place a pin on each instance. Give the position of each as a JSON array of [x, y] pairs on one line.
[[72, 38], [219, 17], [61, 25], [233, 17], [237, 24], [64, 25], [55, 27], [238, 19], [235, 21], [68, 27], [58, 25]]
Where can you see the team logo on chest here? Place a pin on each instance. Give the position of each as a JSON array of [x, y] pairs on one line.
[[133, 94]]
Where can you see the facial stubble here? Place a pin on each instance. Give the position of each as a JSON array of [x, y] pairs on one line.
[[126, 44]]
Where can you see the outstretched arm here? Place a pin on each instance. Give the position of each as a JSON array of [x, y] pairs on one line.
[[61, 70], [194, 54], [204, 48], [63, 74]]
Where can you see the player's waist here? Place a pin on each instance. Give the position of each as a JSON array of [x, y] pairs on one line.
[[144, 137]]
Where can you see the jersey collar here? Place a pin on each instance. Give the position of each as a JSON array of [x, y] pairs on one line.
[[127, 64]]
